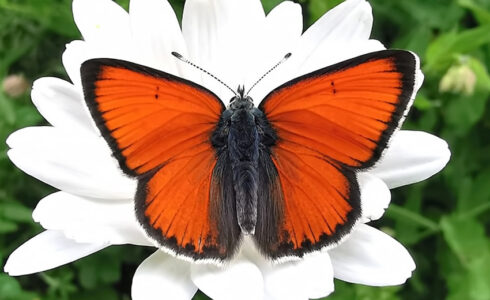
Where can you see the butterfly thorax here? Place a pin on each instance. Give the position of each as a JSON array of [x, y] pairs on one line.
[[241, 133]]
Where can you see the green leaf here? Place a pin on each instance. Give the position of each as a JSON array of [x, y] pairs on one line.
[[123, 3], [7, 226], [480, 13], [17, 38], [399, 212], [474, 193], [200, 296], [422, 102], [317, 8], [102, 293], [178, 6], [463, 112], [467, 240], [343, 291], [438, 14], [110, 270], [442, 51], [416, 40], [9, 287], [87, 275], [377, 293], [59, 20], [481, 72], [60, 282], [407, 231], [270, 4], [348, 291], [26, 115], [102, 267], [7, 112], [15, 211]]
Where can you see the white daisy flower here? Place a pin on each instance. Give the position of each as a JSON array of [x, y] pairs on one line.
[[237, 42]]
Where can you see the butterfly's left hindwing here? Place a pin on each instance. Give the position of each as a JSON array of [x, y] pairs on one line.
[[159, 128], [330, 124]]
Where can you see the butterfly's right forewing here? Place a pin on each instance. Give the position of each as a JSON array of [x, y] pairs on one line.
[[159, 127]]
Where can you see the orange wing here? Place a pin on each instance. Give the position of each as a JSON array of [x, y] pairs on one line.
[[331, 123], [159, 127]]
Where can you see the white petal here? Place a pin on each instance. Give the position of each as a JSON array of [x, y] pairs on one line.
[[285, 22], [101, 22], [412, 156], [199, 27], [88, 220], [341, 33], [279, 36], [79, 51], [105, 28], [224, 33], [61, 105], [156, 33], [349, 20], [240, 279], [319, 282], [76, 52], [326, 55], [284, 281], [45, 251], [76, 163], [375, 196], [311, 277], [371, 257], [162, 276]]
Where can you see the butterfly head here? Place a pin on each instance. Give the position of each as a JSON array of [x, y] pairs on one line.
[[240, 100]]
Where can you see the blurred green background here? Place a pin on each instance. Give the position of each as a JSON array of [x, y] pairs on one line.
[[444, 221]]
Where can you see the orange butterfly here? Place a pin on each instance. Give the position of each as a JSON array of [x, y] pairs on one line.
[[283, 173]]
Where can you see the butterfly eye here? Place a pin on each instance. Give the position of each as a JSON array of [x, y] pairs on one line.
[[233, 103]]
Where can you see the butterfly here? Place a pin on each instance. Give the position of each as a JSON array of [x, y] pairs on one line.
[[282, 173]]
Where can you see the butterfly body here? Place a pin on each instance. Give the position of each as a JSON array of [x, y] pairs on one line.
[[242, 133], [284, 173]]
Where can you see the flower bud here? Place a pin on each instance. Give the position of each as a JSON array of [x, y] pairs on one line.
[[458, 79], [15, 86]]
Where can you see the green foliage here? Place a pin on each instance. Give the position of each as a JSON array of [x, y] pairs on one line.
[[345, 291], [466, 266], [443, 221], [316, 8]]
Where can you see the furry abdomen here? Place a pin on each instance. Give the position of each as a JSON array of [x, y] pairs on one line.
[[243, 150]]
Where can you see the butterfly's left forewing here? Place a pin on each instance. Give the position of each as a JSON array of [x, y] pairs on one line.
[[330, 124], [159, 128]]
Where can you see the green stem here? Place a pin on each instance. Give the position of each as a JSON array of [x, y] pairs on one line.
[[475, 211], [399, 212]]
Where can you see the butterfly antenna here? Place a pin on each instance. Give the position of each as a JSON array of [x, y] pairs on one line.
[[270, 70], [180, 57]]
